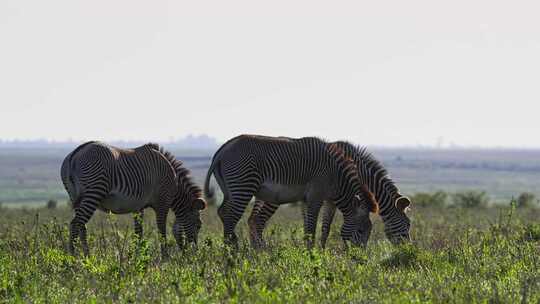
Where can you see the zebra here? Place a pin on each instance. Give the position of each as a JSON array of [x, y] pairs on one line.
[[99, 176], [283, 170], [392, 204]]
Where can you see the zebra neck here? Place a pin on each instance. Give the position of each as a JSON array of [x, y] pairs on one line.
[[386, 194], [182, 200]]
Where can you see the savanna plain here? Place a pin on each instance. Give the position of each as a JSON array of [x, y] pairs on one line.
[[468, 246]]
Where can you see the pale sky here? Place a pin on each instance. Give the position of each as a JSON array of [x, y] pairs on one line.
[[392, 73]]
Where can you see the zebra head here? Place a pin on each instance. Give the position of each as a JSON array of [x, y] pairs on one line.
[[194, 219], [188, 221], [362, 223], [397, 229], [361, 234]]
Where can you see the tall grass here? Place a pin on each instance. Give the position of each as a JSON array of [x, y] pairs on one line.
[[458, 255]]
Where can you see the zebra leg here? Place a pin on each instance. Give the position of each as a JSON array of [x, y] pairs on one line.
[[262, 218], [138, 224], [346, 233], [328, 216], [161, 221], [254, 237], [261, 213], [310, 222], [303, 209], [83, 213], [229, 236], [138, 219], [84, 241], [230, 213], [178, 236]]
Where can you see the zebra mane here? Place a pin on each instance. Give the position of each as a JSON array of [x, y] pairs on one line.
[[349, 167], [182, 173], [366, 159]]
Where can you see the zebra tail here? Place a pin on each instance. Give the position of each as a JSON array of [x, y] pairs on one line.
[[216, 159], [67, 179], [209, 191]]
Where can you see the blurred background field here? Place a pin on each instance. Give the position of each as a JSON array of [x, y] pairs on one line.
[[31, 176]]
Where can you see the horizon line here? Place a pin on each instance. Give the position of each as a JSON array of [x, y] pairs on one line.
[[217, 143]]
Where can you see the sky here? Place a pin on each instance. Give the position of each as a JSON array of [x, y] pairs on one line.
[[385, 73]]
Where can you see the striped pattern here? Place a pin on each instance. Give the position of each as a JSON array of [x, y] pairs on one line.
[[187, 203], [245, 165], [380, 188], [260, 214], [392, 205], [100, 176]]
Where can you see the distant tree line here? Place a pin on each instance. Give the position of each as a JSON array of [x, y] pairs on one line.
[[467, 199]]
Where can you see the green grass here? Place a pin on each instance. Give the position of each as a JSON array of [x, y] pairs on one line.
[[458, 255]]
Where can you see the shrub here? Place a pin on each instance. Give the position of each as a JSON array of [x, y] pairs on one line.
[[405, 255], [532, 232], [424, 199], [51, 204], [526, 199], [471, 199]]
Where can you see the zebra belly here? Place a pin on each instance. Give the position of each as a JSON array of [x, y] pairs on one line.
[[120, 204], [280, 193]]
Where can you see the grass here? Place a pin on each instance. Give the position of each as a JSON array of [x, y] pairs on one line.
[[459, 255]]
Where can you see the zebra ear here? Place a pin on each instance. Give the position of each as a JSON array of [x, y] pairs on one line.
[[402, 203], [199, 204]]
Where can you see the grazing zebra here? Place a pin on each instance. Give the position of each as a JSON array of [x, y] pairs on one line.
[[283, 170], [97, 175], [391, 203]]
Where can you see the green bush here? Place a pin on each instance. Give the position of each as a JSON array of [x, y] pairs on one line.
[[405, 255], [532, 232], [526, 199], [424, 199], [471, 199]]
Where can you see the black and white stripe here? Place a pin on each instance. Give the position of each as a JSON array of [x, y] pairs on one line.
[[97, 175], [392, 205], [245, 165]]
